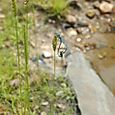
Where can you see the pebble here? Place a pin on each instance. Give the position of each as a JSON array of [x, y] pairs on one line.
[[46, 54], [106, 7], [71, 19], [78, 39], [45, 103], [71, 32], [15, 83], [2, 16], [83, 30], [61, 106], [90, 14], [59, 93], [43, 113]]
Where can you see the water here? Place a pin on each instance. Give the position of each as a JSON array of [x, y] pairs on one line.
[[105, 67]]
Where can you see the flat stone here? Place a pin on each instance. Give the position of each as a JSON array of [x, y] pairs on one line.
[[94, 97]]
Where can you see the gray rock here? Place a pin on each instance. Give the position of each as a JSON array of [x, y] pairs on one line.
[[94, 97]]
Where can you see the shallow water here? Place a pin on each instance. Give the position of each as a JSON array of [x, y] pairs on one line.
[[105, 67]]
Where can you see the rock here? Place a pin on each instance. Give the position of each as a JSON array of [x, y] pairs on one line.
[[61, 106], [45, 103], [64, 85], [75, 4], [59, 93], [90, 14], [15, 83], [82, 23], [7, 44], [78, 39], [83, 30], [94, 97], [32, 44], [106, 7], [96, 4], [2, 16], [43, 113], [46, 54], [66, 25], [71, 19], [100, 56], [71, 32]]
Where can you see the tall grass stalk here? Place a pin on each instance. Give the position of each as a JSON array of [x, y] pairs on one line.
[[26, 54], [14, 7], [54, 45]]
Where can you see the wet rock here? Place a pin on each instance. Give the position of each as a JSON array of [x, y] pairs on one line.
[[15, 83], [46, 54], [106, 7], [71, 32], [71, 19], [90, 14]]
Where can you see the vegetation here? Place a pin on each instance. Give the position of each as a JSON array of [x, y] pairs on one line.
[[19, 93]]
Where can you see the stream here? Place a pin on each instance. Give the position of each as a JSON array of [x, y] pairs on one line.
[[103, 58]]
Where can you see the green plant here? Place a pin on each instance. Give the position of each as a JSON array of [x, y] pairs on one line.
[[54, 7], [54, 45]]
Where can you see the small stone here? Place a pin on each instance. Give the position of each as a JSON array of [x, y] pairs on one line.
[[46, 54], [106, 7], [61, 106], [71, 19], [83, 30], [45, 103], [2, 16], [71, 32], [43, 113], [88, 36], [7, 44], [59, 93], [32, 44], [64, 85], [100, 56], [90, 14], [96, 4], [78, 39], [15, 83]]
